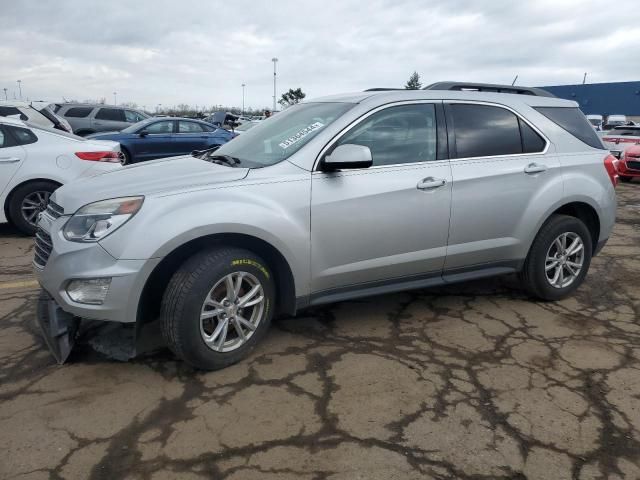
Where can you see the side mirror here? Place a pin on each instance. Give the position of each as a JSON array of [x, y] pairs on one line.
[[348, 156], [143, 133]]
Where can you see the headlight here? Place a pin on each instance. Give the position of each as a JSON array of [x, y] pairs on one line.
[[97, 220]]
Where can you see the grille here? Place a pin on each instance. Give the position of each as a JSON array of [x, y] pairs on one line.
[[54, 210], [633, 165], [43, 247]]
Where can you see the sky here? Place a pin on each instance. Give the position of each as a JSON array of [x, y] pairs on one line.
[[201, 52]]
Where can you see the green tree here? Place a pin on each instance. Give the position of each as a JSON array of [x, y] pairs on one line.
[[414, 82], [292, 97]]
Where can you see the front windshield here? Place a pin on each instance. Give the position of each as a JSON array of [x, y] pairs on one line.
[[137, 126], [282, 135], [594, 121]]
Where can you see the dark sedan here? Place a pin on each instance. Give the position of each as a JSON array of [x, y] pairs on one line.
[[165, 137]]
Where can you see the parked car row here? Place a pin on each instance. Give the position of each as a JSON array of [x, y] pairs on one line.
[[165, 137]]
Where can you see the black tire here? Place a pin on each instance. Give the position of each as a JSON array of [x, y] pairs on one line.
[[184, 297], [533, 275], [625, 179], [126, 156], [19, 195]]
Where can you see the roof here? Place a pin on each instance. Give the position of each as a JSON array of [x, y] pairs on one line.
[[602, 98]]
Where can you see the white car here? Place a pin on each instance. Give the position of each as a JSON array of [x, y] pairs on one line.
[[35, 161]]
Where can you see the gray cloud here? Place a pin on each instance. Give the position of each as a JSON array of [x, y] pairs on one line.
[[201, 52]]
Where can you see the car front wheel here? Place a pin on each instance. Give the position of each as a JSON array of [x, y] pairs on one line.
[[217, 307], [559, 258]]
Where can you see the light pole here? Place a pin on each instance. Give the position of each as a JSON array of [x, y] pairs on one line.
[[20, 88], [115, 98], [243, 85], [274, 60], [5, 94]]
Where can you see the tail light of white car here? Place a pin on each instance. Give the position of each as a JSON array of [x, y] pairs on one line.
[[112, 157]]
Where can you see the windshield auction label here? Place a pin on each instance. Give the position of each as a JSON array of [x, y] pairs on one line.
[[300, 135]]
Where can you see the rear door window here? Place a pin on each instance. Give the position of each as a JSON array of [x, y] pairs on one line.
[[22, 136], [160, 127], [78, 112], [112, 114], [572, 120], [485, 131], [189, 127]]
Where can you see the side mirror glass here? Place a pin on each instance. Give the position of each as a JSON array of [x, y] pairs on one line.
[[348, 156]]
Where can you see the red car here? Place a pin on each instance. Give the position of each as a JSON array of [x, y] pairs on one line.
[[629, 164]]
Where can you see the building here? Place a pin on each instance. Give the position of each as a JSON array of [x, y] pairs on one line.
[[622, 98]]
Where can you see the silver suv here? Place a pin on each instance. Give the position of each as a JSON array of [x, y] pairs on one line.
[[333, 199], [86, 119]]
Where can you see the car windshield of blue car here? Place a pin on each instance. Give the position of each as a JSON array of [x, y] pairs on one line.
[[282, 135], [136, 127]]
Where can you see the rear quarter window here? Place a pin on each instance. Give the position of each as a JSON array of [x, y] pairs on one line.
[[572, 120]]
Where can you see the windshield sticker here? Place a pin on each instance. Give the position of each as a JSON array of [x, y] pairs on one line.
[[300, 135]]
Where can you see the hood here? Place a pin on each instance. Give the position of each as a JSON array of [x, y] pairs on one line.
[[148, 178]]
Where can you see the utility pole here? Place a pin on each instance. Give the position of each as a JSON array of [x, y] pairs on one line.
[[115, 98], [243, 85], [274, 60], [20, 88], [584, 79], [5, 94]]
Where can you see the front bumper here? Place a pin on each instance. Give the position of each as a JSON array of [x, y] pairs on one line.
[[70, 260]]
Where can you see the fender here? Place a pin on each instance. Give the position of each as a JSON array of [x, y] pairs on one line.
[[256, 210]]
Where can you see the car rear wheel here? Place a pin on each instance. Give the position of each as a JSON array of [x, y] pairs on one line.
[[559, 258], [217, 307], [624, 178], [27, 201]]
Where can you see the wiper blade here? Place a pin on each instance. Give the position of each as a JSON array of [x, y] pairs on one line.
[[223, 160], [205, 152]]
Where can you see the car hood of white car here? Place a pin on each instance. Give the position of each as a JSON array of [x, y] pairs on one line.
[[149, 178]]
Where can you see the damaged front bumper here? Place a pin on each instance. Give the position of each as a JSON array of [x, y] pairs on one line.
[[110, 325], [120, 341]]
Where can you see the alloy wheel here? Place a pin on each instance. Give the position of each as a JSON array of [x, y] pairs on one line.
[[564, 260], [232, 311], [33, 204]]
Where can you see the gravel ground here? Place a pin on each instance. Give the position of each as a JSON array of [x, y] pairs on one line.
[[470, 381]]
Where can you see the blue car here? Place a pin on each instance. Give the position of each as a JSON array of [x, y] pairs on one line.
[[161, 137]]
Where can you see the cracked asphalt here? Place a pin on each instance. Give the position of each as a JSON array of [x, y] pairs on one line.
[[473, 381]]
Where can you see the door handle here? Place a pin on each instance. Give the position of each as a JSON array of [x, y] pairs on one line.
[[9, 159], [535, 168], [430, 183]]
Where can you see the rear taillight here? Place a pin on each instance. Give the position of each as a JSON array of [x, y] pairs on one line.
[[113, 157], [611, 165]]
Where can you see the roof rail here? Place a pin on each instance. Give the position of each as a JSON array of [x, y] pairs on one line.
[[381, 89], [489, 87]]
